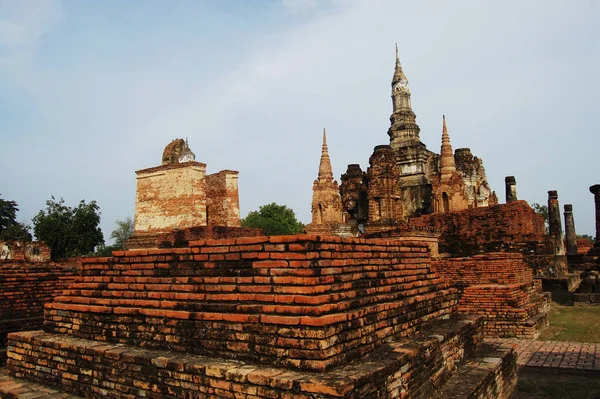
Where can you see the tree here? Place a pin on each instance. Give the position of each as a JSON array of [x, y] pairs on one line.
[[8, 214], [16, 232], [541, 210], [274, 220], [69, 231], [123, 231], [10, 229]]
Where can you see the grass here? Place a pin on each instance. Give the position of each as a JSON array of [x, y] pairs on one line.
[[579, 323], [541, 386]]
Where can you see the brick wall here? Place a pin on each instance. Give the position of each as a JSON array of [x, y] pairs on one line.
[[222, 199], [304, 301], [25, 287], [513, 227], [170, 196]]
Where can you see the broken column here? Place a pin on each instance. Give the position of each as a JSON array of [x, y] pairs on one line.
[[511, 189], [554, 225], [570, 230], [595, 189]]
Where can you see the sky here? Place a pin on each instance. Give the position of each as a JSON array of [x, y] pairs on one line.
[[92, 91]]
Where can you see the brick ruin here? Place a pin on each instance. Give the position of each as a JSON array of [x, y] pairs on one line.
[[179, 196], [25, 286], [264, 317], [326, 208], [34, 251]]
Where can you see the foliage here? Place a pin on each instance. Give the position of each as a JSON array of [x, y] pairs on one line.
[[274, 219], [123, 231], [543, 211], [105, 250], [16, 232], [10, 229], [8, 214], [69, 231], [587, 237]]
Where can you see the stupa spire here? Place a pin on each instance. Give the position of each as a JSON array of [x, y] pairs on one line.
[[325, 171], [447, 163]]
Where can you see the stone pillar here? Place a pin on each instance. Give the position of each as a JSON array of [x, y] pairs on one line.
[[554, 225], [570, 230], [595, 189], [511, 189]]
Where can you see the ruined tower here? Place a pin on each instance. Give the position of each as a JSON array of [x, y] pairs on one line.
[[448, 186], [414, 161], [326, 200], [384, 197]]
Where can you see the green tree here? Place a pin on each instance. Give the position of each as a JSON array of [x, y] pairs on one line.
[[16, 232], [274, 219], [541, 210], [10, 229], [69, 231], [123, 231], [8, 214]]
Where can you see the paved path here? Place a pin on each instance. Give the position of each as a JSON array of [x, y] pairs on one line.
[[556, 356], [14, 388]]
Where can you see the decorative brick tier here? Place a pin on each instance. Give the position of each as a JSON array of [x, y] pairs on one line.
[[305, 302], [25, 287], [499, 286], [409, 368]]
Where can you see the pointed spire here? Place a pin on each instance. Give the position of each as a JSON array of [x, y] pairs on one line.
[[325, 171], [447, 164], [398, 73]]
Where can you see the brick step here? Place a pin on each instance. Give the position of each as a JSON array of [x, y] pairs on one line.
[[412, 367], [491, 373]]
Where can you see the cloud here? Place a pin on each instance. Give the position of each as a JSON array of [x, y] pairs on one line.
[[299, 5]]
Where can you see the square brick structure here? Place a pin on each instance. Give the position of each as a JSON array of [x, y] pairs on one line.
[[264, 317]]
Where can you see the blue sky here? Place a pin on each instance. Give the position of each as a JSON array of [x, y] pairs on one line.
[[92, 91]]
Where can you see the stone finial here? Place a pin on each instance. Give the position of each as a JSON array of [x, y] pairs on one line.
[[571, 237], [398, 72], [447, 163], [511, 189]]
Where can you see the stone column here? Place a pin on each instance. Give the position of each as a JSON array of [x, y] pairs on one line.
[[511, 189], [595, 189], [570, 230], [554, 225]]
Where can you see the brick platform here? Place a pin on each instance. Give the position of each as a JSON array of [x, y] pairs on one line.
[[262, 317], [415, 367], [499, 286], [297, 301]]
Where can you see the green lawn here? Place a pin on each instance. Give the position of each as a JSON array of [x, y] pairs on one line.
[[540, 386], [578, 323]]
